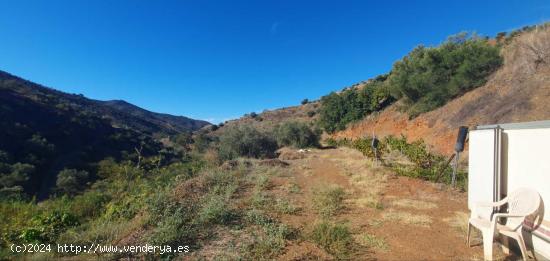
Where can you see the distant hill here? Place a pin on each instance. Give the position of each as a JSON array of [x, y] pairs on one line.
[[267, 119], [43, 131], [121, 113], [132, 116]]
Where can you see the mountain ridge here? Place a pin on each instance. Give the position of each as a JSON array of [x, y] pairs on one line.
[[120, 112]]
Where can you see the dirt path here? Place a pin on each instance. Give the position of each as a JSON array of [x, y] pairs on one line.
[[398, 217]]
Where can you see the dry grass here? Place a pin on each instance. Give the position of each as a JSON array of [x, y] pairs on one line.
[[423, 195], [371, 241], [284, 206], [407, 218], [529, 51], [328, 200], [368, 180], [374, 223], [291, 188], [459, 221], [413, 203]]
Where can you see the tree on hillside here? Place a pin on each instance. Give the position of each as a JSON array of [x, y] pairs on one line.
[[184, 139], [429, 77], [14, 177], [339, 109], [71, 181]]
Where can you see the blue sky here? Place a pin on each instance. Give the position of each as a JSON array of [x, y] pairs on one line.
[[217, 60]]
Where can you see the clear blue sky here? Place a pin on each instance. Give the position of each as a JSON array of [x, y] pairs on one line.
[[217, 60]]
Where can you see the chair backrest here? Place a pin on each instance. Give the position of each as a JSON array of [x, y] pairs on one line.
[[523, 201]]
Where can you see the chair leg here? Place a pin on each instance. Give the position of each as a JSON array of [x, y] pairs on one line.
[[522, 247], [487, 245], [468, 236], [505, 245]]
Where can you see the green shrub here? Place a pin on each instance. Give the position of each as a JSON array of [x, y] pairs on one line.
[[429, 77], [305, 101], [173, 221], [336, 239], [328, 200], [297, 134], [89, 205], [202, 142], [183, 139], [71, 181], [246, 141], [262, 182], [284, 206], [339, 109], [270, 240], [216, 210], [46, 228], [260, 199], [13, 178]]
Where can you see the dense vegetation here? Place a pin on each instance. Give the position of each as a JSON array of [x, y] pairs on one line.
[[39, 141], [339, 109], [98, 214], [427, 78], [246, 141], [297, 134], [184, 202], [44, 131]]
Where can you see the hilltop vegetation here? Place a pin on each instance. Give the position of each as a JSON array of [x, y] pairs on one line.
[[425, 79], [515, 92]]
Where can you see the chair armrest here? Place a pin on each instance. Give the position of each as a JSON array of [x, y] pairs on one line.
[[490, 204], [477, 205]]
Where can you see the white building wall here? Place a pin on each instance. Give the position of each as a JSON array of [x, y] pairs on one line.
[[525, 163], [481, 168], [526, 154]]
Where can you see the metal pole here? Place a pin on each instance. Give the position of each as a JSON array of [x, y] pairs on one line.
[[375, 157], [455, 169]]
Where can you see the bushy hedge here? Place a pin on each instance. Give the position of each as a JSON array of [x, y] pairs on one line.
[[246, 141], [297, 134]]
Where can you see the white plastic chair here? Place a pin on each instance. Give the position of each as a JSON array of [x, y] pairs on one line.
[[522, 203]]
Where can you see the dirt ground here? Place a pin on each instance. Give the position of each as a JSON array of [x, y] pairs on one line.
[[409, 219]]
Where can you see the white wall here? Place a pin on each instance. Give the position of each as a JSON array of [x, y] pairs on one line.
[[526, 154], [480, 168]]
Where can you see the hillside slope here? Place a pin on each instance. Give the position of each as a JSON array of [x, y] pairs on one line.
[[519, 91], [270, 118], [43, 131]]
